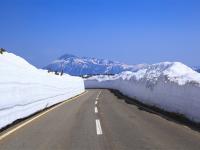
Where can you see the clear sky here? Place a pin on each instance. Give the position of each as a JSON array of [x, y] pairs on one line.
[[131, 31]]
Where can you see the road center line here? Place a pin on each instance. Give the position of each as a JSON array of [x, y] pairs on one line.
[[95, 110], [96, 102], [98, 127], [98, 95]]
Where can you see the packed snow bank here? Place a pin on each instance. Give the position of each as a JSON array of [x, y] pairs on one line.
[[171, 86], [25, 89]]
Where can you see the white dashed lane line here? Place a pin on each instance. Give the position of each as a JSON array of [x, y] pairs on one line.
[[98, 124], [98, 127], [95, 110], [96, 102], [98, 95]]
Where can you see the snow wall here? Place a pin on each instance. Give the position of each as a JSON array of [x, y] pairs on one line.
[[25, 89], [171, 86]]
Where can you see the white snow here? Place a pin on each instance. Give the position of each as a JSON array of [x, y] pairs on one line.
[[171, 86], [25, 89]]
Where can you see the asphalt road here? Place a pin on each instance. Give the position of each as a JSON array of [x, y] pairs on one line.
[[112, 125]]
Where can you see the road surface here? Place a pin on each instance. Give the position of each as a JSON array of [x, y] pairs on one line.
[[99, 120]]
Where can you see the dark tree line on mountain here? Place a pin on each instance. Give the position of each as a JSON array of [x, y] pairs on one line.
[[2, 50], [56, 72], [83, 76], [91, 75]]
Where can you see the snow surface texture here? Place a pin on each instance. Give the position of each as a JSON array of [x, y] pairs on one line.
[[25, 90], [171, 86], [77, 66]]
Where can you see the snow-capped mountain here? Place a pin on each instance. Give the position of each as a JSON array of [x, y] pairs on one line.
[[78, 66]]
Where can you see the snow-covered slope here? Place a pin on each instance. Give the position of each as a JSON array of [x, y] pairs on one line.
[[25, 90], [77, 66], [171, 86]]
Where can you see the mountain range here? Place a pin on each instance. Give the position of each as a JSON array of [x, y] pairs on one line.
[[78, 66]]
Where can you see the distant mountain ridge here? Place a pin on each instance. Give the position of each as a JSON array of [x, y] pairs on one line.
[[78, 66]]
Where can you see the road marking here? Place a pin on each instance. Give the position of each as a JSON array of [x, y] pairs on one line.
[[98, 127], [98, 95], [96, 102], [38, 116], [95, 110]]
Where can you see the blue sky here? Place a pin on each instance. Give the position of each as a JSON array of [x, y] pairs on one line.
[[131, 31]]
